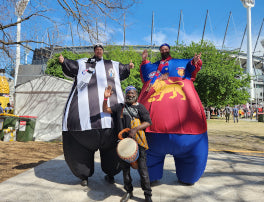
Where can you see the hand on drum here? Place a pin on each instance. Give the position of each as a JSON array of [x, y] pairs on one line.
[[132, 132], [127, 132]]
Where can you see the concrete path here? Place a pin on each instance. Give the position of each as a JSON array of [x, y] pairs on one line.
[[228, 177]]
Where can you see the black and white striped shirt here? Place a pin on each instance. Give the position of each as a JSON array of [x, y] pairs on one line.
[[83, 109]]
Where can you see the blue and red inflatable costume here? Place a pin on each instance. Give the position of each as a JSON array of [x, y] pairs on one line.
[[178, 120]]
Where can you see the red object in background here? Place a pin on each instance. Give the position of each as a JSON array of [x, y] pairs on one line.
[[23, 123], [29, 117]]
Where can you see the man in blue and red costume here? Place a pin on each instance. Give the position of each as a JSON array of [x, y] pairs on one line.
[[178, 120]]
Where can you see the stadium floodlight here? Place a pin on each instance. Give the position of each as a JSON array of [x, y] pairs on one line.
[[20, 7], [248, 4], [19, 10]]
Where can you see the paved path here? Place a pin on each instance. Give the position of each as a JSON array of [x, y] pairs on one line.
[[228, 177]]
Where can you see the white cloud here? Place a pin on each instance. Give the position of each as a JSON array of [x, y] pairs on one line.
[[169, 35], [158, 38]]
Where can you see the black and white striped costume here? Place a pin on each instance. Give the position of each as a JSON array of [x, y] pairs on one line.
[[86, 127]]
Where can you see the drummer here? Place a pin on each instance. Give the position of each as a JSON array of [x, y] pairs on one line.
[[123, 114]]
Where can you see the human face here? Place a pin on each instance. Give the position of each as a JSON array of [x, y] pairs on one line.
[[131, 97], [98, 52], [165, 52]]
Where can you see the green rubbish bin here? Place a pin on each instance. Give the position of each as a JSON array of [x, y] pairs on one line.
[[26, 128], [6, 121], [260, 117]]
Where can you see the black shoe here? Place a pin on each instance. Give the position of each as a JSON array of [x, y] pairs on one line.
[[148, 198], [126, 197], [185, 183], [84, 182], [110, 179]]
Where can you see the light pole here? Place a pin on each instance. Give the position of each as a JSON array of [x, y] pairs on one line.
[[19, 10], [248, 4]]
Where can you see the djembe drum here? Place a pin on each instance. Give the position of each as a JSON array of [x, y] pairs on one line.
[[127, 149]]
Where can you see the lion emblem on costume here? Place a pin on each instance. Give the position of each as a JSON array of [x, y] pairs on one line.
[[162, 88]]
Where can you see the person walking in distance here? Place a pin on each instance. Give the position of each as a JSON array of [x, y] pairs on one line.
[[227, 111], [235, 114]]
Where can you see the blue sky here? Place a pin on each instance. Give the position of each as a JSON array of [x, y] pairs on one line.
[[166, 22], [167, 16]]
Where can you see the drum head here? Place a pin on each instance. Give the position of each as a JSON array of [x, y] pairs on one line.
[[127, 147]]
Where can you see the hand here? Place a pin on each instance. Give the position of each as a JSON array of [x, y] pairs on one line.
[[61, 59], [164, 76], [149, 86], [131, 65], [108, 92], [196, 58], [132, 132], [144, 55]]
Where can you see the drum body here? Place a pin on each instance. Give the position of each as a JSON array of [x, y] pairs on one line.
[[127, 150]]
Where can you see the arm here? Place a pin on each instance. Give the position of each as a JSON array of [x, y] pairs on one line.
[[147, 70], [142, 126], [197, 62], [124, 70], [144, 118], [69, 67], [144, 58], [108, 92]]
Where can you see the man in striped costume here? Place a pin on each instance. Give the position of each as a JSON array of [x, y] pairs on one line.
[[86, 128]]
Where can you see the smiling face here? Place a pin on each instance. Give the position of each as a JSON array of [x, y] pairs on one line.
[[98, 52], [131, 97]]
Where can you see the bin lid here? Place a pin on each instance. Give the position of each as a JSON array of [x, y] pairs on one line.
[[6, 114]]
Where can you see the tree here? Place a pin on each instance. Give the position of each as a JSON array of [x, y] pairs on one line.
[[110, 53], [54, 67], [116, 53], [88, 14], [8, 31], [45, 22], [221, 80]]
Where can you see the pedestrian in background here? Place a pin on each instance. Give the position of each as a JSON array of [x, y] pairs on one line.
[[9, 109], [227, 111], [1, 109], [235, 114]]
